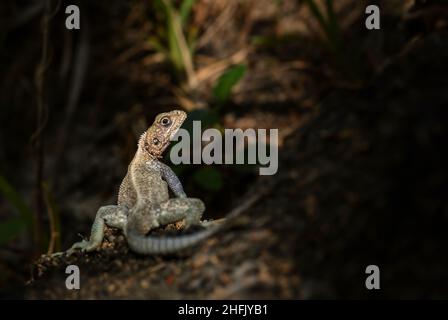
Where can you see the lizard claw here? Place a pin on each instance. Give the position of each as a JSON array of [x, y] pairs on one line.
[[83, 246]]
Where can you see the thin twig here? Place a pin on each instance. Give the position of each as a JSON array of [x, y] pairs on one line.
[[53, 244], [214, 70], [78, 72], [41, 121]]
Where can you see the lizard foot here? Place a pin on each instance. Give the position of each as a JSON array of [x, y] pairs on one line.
[[83, 246], [196, 208]]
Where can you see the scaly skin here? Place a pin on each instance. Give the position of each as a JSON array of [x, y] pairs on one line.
[[143, 199]]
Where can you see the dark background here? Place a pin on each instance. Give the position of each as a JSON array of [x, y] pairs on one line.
[[362, 131]]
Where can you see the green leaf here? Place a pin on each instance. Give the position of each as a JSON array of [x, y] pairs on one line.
[[227, 81], [173, 41], [208, 178], [10, 229], [328, 23], [185, 10], [317, 13], [15, 199]]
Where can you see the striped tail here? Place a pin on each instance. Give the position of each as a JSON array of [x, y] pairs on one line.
[[166, 245]]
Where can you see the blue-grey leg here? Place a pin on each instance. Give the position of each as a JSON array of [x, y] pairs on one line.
[[170, 177]]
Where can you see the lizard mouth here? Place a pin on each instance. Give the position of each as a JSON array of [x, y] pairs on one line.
[[181, 116], [173, 134]]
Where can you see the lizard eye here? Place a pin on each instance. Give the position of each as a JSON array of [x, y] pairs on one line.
[[165, 121], [155, 141]]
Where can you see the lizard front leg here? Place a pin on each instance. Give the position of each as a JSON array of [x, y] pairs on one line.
[[169, 176], [180, 208], [113, 216]]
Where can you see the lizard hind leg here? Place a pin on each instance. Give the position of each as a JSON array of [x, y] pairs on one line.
[[177, 209], [113, 216]]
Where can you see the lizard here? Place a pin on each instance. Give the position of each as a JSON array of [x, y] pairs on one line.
[[143, 198]]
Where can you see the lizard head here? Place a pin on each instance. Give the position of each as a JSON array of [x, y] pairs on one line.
[[157, 137]]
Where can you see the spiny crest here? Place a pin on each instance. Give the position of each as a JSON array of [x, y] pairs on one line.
[[141, 140]]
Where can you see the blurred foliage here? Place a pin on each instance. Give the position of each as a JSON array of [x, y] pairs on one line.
[[11, 228], [272, 41], [205, 177], [171, 40], [223, 87], [329, 24], [208, 117], [345, 59], [208, 178]]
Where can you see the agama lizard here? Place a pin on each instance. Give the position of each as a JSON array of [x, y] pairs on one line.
[[143, 198]]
